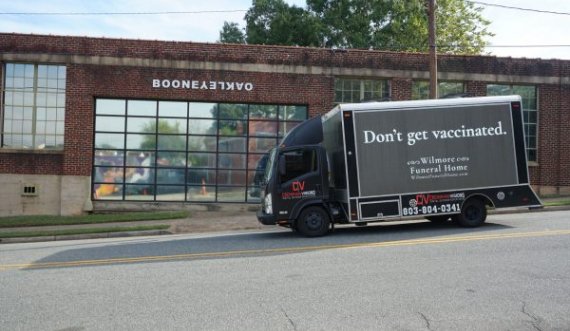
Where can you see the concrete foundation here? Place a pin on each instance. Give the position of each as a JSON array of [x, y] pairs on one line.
[[44, 195]]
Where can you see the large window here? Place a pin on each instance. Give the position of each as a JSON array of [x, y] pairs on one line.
[[357, 90], [530, 112], [185, 151], [33, 106], [420, 89]]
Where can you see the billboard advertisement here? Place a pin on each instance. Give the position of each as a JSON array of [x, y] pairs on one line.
[[434, 149]]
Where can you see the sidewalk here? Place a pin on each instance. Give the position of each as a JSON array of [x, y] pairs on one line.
[[197, 222]]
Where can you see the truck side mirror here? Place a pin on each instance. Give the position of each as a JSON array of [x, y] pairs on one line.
[[282, 167]]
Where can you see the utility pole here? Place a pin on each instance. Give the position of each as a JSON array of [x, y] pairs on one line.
[[432, 50]]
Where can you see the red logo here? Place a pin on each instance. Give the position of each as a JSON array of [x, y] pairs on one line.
[[298, 186]]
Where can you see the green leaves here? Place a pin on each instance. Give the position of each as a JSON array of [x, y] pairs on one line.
[[398, 25]]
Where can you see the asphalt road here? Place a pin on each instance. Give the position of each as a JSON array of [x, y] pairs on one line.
[[511, 274]]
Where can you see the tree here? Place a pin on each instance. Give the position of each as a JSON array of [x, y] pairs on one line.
[[399, 25], [231, 34], [274, 22]]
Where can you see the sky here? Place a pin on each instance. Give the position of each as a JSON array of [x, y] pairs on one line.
[[511, 27]]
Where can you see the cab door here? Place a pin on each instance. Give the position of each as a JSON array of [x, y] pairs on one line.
[[300, 180]]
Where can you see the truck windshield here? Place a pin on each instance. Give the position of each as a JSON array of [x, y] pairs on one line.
[[269, 165]]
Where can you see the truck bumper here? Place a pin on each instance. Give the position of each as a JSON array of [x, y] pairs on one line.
[[265, 219]]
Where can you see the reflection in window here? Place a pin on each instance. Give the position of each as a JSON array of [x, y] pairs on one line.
[[530, 112], [420, 89], [357, 90], [181, 151], [34, 106]]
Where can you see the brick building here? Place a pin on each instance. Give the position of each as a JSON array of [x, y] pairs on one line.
[[95, 123]]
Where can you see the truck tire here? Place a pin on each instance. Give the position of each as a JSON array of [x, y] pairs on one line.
[[313, 222], [473, 214]]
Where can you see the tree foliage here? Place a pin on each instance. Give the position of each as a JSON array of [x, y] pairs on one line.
[[399, 25], [231, 34]]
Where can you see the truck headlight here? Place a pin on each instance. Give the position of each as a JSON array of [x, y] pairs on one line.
[[268, 204]]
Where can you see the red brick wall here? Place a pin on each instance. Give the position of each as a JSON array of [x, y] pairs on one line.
[[169, 50], [31, 164], [476, 89], [401, 89], [86, 82], [548, 134], [564, 137]]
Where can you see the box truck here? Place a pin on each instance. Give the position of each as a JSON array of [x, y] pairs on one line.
[[386, 161]]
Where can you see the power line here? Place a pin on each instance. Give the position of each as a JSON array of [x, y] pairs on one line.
[[527, 46], [125, 13], [519, 8]]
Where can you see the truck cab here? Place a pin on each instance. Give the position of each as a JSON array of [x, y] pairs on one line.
[[295, 190]]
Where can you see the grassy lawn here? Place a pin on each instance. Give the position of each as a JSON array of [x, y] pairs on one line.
[[19, 234], [45, 220]]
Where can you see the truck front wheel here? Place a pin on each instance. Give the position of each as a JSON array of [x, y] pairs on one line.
[[473, 214], [313, 222]]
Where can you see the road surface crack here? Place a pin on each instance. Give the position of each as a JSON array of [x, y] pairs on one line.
[[428, 323], [289, 319], [535, 320]]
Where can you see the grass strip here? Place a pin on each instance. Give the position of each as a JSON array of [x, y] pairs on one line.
[[20, 234], [564, 202], [46, 220]]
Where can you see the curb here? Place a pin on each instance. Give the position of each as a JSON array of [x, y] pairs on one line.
[[166, 232], [84, 236]]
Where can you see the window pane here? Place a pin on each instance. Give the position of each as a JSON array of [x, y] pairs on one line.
[[298, 163], [196, 126], [528, 95], [232, 144], [231, 194], [202, 143], [201, 160], [108, 158], [140, 192], [172, 125], [203, 110], [263, 128], [141, 141], [171, 143], [170, 193], [136, 158], [231, 161], [110, 107], [171, 159], [170, 176], [141, 108], [293, 113], [141, 124], [109, 140], [110, 123], [201, 193], [232, 111], [232, 177], [172, 109], [262, 111], [201, 176], [232, 128], [139, 175], [260, 145]]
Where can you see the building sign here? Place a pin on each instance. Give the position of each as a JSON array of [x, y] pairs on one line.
[[202, 85]]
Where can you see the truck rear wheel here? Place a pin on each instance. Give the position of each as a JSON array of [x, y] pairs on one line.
[[313, 222], [473, 214]]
